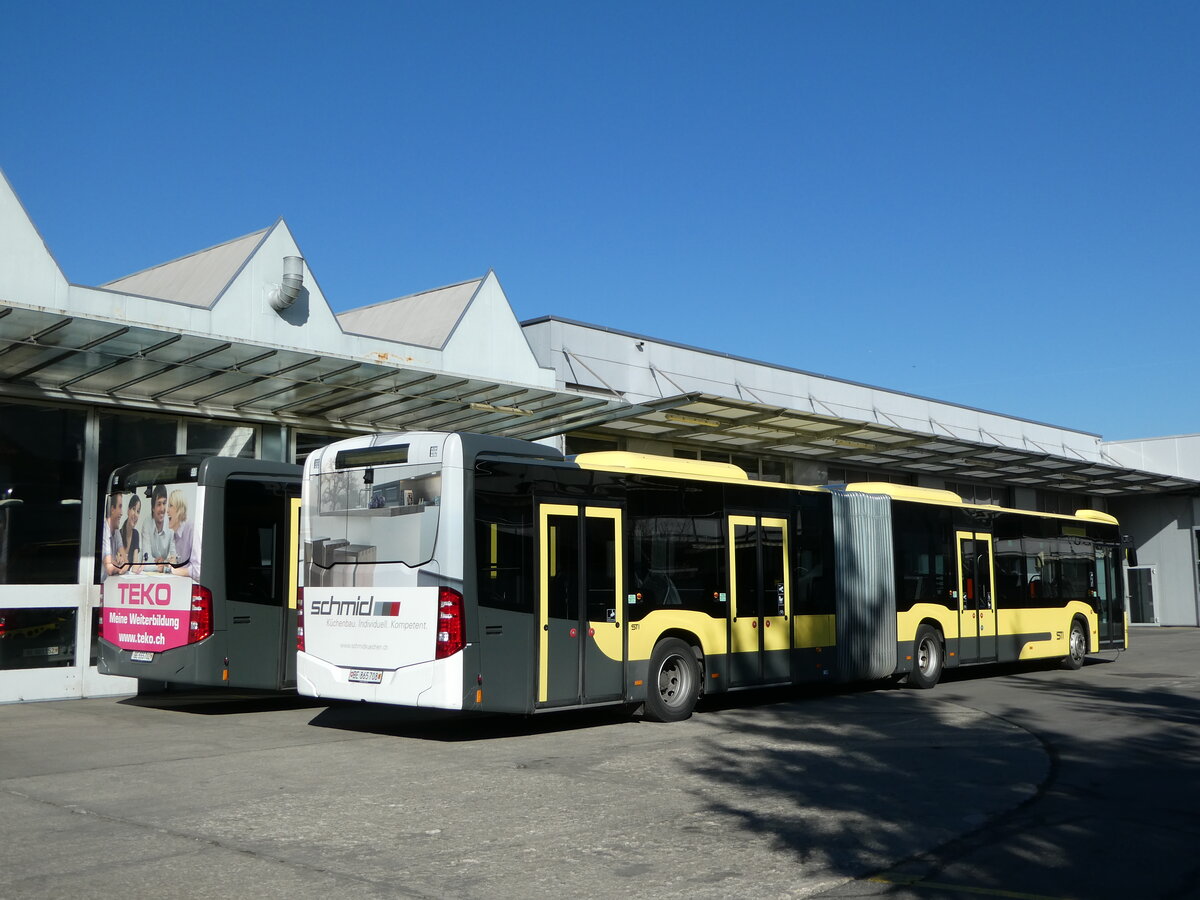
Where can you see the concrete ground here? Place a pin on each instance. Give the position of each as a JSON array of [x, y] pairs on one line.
[[765, 794]]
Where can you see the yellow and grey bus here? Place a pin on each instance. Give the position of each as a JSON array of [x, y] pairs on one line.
[[198, 561], [462, 571]]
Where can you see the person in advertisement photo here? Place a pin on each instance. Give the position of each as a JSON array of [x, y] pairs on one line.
[[112, 550], [177, 521], [158, 540], [131, 538]]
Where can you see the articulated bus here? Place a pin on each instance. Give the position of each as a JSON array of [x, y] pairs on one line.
[[467, 572], [199, 572]]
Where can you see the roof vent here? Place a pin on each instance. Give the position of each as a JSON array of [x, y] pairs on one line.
[[286, 293]]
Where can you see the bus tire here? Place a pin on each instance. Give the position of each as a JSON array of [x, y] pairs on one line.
[[674, 683], [1077, 645], [928, 658]]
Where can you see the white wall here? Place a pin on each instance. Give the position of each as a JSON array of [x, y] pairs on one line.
[[1161, 527], [1179, 455], [28, 271]]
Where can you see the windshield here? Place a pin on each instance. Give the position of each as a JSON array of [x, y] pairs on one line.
[[374, 514]]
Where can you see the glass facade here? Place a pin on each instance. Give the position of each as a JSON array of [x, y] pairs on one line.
[[37, 638], [41, 492], [222, 439]]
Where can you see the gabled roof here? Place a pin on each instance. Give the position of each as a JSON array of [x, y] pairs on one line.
[[426, 319], [197, 279]]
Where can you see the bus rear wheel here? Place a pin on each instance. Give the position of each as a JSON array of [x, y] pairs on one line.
[[674, 683], [928, 658], [1077, 647]]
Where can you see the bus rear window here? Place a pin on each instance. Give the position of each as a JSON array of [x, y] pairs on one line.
[[377, 514]]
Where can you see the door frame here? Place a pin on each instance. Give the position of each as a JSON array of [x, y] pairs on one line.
[[585, 630], [984, 619], [773, 633]]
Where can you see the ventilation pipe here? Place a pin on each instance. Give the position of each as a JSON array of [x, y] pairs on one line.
[[285, 294]]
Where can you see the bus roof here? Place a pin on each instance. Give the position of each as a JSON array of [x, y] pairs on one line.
[[649, 464]]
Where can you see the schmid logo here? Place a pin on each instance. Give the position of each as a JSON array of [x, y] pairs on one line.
[[356, 607], [143, 594]]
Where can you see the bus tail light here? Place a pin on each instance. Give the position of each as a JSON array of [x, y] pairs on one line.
[[450, 630], [200, 626], [300, 619]]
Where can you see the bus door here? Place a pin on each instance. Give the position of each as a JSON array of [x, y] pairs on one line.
[[260, 582], [759, 638], [977, 612], [581, 641], [1107, 598]]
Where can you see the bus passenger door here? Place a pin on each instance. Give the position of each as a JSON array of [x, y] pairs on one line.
[[260, 578], [1107, 596], [581, 641], [760, 606], [977, 612]]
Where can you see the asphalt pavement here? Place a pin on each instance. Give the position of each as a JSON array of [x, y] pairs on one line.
[[1000, 782]]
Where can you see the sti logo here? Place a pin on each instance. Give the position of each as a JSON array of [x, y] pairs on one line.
[[133, 594], [356, 607]]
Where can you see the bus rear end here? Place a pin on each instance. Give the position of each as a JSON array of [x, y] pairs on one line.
[[164, 616], [382, 609], [155, 611]]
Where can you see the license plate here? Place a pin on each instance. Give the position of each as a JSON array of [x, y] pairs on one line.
[[142, 656], [366, 676]]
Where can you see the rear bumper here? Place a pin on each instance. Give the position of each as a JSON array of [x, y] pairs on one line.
[[436, 684]]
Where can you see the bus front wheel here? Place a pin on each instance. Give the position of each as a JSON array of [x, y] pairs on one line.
[[927, 658], [1077, 646], [674, 683]]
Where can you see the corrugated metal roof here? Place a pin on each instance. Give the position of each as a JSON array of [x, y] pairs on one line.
[[197, 279], [48, 354], [426, 319]]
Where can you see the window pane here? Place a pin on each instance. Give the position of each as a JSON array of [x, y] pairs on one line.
[[256, 515], [216, 439], [41, 485], [308, 441], [925, 564], [774, 470], [504, 545], [601, 571], [745, 550], [563, 580], [37, 638]]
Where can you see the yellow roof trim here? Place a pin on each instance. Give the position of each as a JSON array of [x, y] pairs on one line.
[[906, 492], [1095, 515], [649, 464]]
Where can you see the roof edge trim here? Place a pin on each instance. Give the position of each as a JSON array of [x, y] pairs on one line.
[[782, 368]]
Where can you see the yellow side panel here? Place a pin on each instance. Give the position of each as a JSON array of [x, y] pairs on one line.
[[1055, 622], [644, 635], [815, 631], [907, 622], [293, 551]]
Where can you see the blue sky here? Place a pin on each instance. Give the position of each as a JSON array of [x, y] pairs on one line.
[[991, 203]]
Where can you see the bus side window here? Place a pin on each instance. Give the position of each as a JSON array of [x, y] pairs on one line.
[[504, 552], [254, 525]]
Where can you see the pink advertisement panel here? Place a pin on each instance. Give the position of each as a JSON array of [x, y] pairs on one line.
[[146, 611]]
